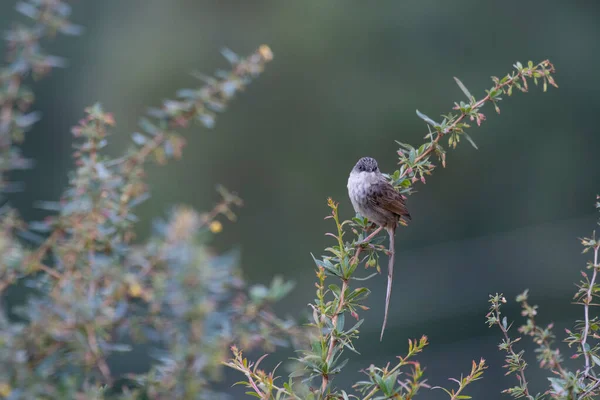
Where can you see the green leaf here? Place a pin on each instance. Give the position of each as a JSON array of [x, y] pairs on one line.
[[148, 126], [557, 384], [390, 383], [427, 119], [405, 145], [329, 268], [339, 367], [464, 89], [335, 289], [230, 55], [340, 322], [586, 347], [358, 294], [297, 373], [444, 389], [470, 140], [356, 326], [412, 155], [365, 278]]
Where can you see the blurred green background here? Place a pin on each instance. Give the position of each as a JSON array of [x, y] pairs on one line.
[[345, 83]]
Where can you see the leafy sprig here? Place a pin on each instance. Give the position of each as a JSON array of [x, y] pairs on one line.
[[416, 163], [476, 373], [515, 363]]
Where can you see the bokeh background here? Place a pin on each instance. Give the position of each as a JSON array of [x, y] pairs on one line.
[[345, 83]]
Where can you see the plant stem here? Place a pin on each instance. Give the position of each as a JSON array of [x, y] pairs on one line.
[[586, 311], [7, 111], [98, 358], [512, 352], [332, 339]]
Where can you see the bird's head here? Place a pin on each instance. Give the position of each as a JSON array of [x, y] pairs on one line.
[[366, 164]]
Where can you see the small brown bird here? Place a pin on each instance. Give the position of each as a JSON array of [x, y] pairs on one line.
[[372, 196]]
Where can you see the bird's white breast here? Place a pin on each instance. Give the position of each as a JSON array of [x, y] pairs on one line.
[[358, 188]]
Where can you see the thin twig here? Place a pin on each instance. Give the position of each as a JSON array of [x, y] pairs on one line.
[[6, 113], [36, 257], [134, 160], [586, 311], [100, 362], [512, 351], [332, 338], [591, 389], [50, 271]]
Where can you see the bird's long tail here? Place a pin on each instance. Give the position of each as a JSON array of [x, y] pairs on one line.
[[391, 233]]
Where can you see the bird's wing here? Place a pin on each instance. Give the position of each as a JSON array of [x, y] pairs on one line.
[[386, 197]]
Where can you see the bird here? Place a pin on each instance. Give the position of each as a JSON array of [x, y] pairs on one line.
[[374, 197]]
